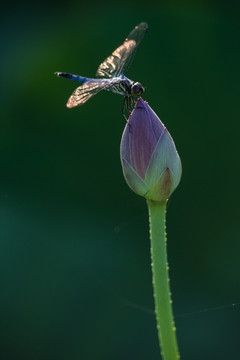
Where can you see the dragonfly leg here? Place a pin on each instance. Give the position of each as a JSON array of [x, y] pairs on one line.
[[125, 105], [133, 101], [130, 104], [126, 119]]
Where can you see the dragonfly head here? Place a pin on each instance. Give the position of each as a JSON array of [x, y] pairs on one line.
[[137, 89]]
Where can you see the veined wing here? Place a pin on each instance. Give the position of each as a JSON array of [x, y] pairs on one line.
[[86, 91], [119, 62]]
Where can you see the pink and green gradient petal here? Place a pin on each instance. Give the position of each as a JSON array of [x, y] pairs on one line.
[[149, 153]]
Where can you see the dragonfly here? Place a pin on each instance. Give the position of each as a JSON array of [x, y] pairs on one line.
[[111, 73]]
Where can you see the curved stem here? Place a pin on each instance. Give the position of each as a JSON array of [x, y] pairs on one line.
[[161, 289]]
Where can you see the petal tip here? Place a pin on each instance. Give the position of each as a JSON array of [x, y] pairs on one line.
[[140, 103]]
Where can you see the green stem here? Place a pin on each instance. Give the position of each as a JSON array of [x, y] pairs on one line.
[[161, 289]]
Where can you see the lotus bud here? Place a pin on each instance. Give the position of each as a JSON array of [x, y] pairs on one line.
[[150, 162]]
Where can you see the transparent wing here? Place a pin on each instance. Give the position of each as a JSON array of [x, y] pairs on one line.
[[86, 91], [121, 59]]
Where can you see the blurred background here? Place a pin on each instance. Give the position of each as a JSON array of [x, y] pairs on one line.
[[75, 275]]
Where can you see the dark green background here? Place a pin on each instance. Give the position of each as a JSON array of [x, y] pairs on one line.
[[74, 257]]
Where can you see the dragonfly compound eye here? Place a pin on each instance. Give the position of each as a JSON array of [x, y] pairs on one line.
[[137, 89]]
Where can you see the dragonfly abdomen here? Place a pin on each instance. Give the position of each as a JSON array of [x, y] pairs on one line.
[[72, 77]]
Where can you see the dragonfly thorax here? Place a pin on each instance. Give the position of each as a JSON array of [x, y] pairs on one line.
[[137, 89]]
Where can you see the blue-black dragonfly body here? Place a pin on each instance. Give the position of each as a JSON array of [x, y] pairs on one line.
[[111, 74]]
